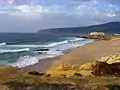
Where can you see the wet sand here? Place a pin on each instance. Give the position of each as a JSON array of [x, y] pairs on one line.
[[81, 55]]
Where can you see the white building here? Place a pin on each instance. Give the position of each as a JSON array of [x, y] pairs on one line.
[[97, 34], [117, 34]]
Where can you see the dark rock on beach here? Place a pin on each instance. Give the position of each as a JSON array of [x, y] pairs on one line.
[[35, 73]]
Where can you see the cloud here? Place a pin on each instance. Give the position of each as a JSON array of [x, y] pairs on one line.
[[83, 7], [116, 2], [25, 11], [30, 11], [94, 8], [31, 15]]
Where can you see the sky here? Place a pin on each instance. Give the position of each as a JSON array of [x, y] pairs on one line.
[[34, 15]]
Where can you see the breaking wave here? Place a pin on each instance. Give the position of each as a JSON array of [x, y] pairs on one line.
[[55, 49], [77, 39], [35, 46], [46, 45], [25, 61], [14, 50], [31, 60], [3, 44]]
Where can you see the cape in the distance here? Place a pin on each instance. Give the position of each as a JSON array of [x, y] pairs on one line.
[[111, 27]]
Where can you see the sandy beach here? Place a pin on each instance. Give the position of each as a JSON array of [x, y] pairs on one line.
[[81, 55]]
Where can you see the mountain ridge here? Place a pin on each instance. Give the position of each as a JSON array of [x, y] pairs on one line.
[[111, 27]]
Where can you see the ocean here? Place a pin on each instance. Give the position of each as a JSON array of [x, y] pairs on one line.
[[24, 49]]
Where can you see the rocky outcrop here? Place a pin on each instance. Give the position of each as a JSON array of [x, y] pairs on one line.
[[90, 69], [63, 70], [114, 58], [98, 75], [104, 69], [73, 71]]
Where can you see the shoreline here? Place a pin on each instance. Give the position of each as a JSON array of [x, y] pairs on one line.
[[26, 61], [44, 64], [80, 55]]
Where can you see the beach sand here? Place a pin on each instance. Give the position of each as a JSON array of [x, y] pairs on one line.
[[81, 55]]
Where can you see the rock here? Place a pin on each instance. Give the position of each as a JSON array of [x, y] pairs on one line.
[[35, 73], [96, 68], [107, 70], [88, 66], [77, 74], [114, 58], [48, 75], [62, 69], [64, 76], [100, 69]]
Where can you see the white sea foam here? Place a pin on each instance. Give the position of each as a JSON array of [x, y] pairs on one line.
[[3, 44], [31, 60], [35, 46], [46, 45], [60, 46], [25, 61], [14, 50], [77, 39], [57, 43], [83, 43]]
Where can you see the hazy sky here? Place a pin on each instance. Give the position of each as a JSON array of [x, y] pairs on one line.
[[33, 15]]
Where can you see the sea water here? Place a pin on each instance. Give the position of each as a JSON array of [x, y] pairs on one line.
[[21, 49]]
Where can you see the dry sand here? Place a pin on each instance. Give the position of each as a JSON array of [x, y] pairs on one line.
[[81, 55]]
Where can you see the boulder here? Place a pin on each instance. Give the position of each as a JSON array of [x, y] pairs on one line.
[[48, 75], [107, 70], [78, 75], [35, 73]]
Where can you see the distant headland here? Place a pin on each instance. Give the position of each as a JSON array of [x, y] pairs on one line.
[[111, 27]]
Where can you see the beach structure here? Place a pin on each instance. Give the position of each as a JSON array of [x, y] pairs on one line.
[[116, 34], [97, 34]]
